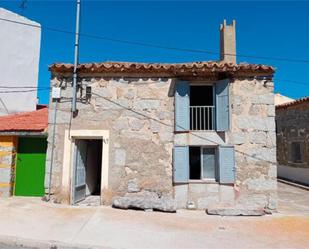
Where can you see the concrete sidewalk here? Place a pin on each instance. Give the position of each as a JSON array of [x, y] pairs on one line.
[[42, 225]]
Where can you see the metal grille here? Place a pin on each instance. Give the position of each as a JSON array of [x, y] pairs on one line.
[[202, 118]]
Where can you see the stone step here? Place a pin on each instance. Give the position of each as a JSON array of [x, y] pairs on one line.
[[235, 211]]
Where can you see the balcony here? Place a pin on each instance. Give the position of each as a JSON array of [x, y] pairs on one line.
[[202, 118]]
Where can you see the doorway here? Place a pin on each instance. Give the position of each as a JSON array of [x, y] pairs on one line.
[[30, 166], [87, 168]]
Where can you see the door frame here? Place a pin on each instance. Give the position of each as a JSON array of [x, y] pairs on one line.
[[68, 162]]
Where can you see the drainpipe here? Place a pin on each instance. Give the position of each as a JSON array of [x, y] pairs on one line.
[[52, 149], [75, 57]]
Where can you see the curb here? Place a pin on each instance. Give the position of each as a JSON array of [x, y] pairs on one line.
[[297, 185], [12, 241]]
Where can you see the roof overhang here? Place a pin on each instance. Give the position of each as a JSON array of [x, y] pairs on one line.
[[191, 69], [293, 103], [23, 133]]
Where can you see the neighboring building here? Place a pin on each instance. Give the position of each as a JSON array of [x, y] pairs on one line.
[[22, 153], [292, 121], [281, 99], [202, 133], [19, 63]]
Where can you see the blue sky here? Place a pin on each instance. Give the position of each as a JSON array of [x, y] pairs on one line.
[[272, 29]]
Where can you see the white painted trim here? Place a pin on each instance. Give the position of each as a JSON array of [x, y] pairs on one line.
[[67, 169]]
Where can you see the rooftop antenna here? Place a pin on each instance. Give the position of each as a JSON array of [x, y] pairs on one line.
[[23, 5]]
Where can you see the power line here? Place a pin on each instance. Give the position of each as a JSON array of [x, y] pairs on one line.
[[25, 91], [152, 45], [169, 125], [302, 83], [24, 87], [34, 88], [4, 105]]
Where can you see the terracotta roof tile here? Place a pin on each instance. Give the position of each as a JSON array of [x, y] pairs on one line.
[[172, 69], [293, 103], [27, 121]]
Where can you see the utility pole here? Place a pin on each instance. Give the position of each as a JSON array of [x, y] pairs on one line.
[[76, 48]]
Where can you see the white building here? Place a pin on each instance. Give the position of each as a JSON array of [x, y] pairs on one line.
[[281, 99], [19, 63]]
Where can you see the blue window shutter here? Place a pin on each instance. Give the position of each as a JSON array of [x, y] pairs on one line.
[[181, 164], [182, 106], [222, 105], [226, 164]]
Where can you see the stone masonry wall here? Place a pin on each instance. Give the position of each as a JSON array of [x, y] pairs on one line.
[[293, 126], [7, 165], [139, 115], [253, 134]]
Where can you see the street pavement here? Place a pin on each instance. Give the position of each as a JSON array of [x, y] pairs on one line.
[[6, 246], [30, 223]]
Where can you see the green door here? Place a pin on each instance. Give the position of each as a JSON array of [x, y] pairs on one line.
[[30, 166]]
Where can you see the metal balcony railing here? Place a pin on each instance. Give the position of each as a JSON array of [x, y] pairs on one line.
[[202, 118]]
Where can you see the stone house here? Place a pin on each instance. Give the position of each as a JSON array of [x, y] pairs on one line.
[[200, 133], [292, 127]]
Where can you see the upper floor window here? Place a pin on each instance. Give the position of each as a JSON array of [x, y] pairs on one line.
[[202, 107]]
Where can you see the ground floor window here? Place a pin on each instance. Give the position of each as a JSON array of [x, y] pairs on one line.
[[296, 152], [202, 163]]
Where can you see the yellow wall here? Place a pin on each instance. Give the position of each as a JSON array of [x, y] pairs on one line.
[[8, 146]]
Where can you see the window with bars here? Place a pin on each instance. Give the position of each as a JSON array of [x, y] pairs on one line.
[[202, 107], [296, 152]]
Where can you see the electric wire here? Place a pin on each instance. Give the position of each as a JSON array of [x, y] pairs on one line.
[[152, 45], [25, 91], [40, 88], [158, 46], [23, 87], [4, 105], [169, 125]]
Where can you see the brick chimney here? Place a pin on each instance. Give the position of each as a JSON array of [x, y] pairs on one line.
[[228, 42]]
